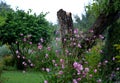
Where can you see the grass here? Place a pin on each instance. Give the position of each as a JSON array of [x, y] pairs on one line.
[[20, 77]]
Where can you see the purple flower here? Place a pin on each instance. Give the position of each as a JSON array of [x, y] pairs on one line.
[[113, 58], [47, 69], [75, 31], [18, 56], [95, 70], [75, 81], [48, 48], [99, 81], [40, 47], [45, 81], [91, 75], [77, 66], [46, 55], [60, 72], [101, 36], [21, 34], [86, 69], [53, 61], [79, 79], [79, 46], [17, 51], [61, 61], [106, 61], [24, 39], [41, 39], [30, 42], [31, 65]]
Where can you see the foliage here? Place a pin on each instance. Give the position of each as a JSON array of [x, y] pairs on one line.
[[8, 60], [85, 22], [117, 56], [18, 22], [20, 29], [102, 6]]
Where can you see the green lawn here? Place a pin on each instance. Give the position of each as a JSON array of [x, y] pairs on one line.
[[20, 77]]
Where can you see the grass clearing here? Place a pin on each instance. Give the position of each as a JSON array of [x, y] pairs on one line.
[[20, 77]]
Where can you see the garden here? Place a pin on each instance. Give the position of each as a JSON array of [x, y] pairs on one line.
[[33, 50]]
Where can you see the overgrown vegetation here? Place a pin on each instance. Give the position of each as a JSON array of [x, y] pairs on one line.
[[31, 44]]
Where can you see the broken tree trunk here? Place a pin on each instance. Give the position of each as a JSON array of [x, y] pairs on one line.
[[66, 26], [101, 23]]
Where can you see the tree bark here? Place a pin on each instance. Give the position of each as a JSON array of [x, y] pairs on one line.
[[101, 23], [66, 26]]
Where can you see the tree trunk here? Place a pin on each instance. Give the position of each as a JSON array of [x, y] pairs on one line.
[[66, 26], [101, 23]]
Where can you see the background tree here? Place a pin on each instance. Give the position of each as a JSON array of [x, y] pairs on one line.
[[18, 26], [85, 22]]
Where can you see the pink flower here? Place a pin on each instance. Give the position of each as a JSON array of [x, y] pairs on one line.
[[63, 66], [23, 63], [113, 58], [75, 31], [56, 65], [60, 72], [31, 65], [17, 51], [86, 69], [21, 34], [47, 69], [95, 70], [23, 57], [53, 61], [77, 66], [48, 48], [117, 68], [56, 51], [79, 79], [101, 51], [30, 42], [64, 39], [40, 47], [41, 40], [46, 55], [57, 39], [18, 56], [91, 31], [106, 61], [24, 39], [29, 61], [66, 51], [75, 81], [45, 81], [61, 61], [100, 36], [91, 75], [99, 81], [79, 46]]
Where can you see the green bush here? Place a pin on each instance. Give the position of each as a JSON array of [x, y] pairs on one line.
[[8, 62]]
